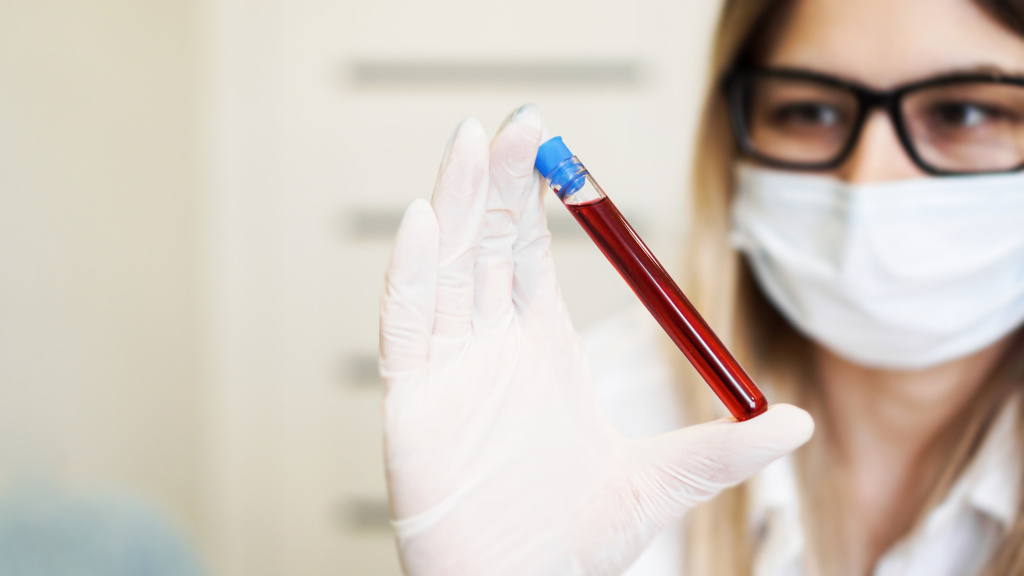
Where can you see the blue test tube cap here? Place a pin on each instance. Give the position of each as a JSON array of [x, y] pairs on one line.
[[550, 155]]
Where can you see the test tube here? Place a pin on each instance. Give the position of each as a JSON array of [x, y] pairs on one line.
[[587, 202]]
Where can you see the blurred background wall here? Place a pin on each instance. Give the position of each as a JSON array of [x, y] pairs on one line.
[[197, 199], [101, 246]]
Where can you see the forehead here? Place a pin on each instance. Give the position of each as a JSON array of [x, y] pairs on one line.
[[886, 42]]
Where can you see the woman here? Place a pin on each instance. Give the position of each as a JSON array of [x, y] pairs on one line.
[[859, 244]]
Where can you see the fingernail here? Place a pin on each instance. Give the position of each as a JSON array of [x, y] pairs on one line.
[[524, 110], [451, 139], [519, 114]]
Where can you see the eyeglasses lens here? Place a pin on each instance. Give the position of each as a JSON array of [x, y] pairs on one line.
[[798, 121], [957, 127], [967, 126]]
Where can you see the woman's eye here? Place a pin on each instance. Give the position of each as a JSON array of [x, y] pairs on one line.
[[964, 114], [806, 114]]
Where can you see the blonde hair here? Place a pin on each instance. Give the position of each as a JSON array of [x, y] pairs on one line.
[[720, 285]]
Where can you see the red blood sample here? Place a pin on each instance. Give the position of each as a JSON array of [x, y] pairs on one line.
[[656, 289]]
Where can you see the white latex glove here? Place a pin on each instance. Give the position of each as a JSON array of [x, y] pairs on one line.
[[500, 459]]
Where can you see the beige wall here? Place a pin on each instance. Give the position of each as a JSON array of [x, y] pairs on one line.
[[100, 245]]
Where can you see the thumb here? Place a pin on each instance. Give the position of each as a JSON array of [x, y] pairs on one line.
[[693, 464]]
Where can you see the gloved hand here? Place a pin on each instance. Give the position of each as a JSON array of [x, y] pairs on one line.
[[500, 459]]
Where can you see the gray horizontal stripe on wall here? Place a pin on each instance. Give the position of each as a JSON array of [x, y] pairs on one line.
[[382, 224], [366, 515], [441, 74], [360, 370], [373, 224]]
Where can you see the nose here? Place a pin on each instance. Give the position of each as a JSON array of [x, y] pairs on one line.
[[878, 155]]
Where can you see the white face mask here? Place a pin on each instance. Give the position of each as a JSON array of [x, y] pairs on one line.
[[905, 274]]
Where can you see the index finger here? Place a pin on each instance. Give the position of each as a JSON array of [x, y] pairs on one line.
[[458, 201]]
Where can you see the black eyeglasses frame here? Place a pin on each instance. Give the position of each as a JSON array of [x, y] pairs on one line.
[[740, 78]]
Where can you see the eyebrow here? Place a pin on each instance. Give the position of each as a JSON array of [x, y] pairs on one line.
[[983, 69]]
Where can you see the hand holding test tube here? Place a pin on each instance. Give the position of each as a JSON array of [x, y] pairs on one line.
[[500, 459]]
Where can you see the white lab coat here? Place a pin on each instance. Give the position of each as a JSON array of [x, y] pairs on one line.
[[628, 359]]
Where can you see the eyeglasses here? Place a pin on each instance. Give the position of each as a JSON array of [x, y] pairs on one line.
[[958, 124]]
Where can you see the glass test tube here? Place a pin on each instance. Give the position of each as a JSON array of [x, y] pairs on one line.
[[587, 202]]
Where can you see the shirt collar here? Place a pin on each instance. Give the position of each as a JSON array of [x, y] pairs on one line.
[[775, 519], [773, 488], [990, 485], [993, 478]]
